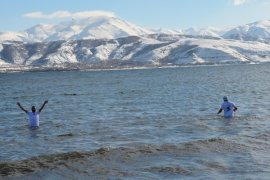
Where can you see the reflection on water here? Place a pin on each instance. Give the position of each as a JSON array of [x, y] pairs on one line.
[[33, 132]]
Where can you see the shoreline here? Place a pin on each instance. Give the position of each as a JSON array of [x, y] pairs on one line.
[[19, 69]]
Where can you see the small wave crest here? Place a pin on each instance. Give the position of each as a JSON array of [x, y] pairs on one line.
[[121, 155], [169, 169]]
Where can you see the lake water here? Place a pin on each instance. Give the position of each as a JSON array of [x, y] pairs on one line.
[[137, 124]]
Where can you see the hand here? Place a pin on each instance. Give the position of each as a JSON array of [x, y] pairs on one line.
[[45, 102], [18, 103]]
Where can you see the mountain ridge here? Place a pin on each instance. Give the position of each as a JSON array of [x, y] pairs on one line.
[[97, 27], [104, 27], [256, 31]]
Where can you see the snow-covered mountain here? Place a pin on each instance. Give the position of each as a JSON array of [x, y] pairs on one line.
[[102, 42], [210, 31], [258, 31], [167, 31], [96, 27], [132, 51], [12, 36], [203, 32]]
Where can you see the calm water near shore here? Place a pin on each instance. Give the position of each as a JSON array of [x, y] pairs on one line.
[[137, 124]]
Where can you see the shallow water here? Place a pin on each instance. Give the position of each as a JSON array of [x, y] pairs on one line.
[[150, 123]]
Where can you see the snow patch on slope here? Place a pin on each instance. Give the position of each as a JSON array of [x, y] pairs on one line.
[[65, 54]]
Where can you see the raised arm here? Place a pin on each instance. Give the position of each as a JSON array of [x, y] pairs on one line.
[[220, 110], [21, 107], [43, 105]]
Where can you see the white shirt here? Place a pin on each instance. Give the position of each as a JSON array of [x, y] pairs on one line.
[[33, 119], [227, 108]]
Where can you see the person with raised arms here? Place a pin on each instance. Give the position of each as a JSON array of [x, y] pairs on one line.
[[228, 107], [33, 116]]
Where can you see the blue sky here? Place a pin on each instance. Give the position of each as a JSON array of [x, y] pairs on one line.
[[17, 15]]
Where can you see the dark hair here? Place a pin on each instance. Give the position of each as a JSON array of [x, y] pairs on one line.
[[33, 109]]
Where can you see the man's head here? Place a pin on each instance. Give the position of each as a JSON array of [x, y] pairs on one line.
[[225, 98], [33, 109]]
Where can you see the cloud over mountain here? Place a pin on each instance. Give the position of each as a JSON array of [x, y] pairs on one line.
[[67, 14], [239, 2]]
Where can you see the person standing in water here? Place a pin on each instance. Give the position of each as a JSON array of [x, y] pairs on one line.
[[227, 107], [33, 116]]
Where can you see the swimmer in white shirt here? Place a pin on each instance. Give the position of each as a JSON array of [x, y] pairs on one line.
[[33, 116], [227, 107]]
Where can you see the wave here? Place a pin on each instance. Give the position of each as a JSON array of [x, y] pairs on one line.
[[66, 135], [70, 94], [121, 155], [169, 169]]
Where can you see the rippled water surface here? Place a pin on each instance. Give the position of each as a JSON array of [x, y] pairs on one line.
[[148, 123]]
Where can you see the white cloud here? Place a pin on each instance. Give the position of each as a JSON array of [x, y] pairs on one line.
[[239, 2], [67, 14]]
